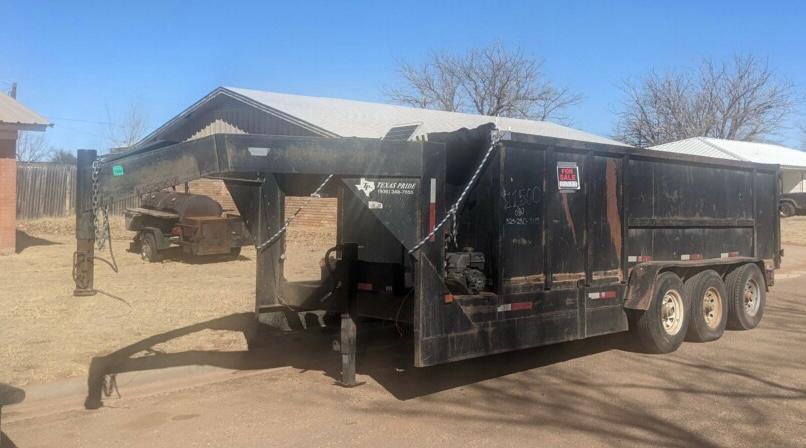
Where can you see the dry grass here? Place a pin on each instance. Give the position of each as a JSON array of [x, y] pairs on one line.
[[793, 230], [48, 334]]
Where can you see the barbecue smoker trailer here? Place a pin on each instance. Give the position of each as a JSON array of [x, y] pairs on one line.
[[557, 240], [193, 222]]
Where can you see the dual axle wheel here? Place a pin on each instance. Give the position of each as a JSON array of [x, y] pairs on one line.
[[700, 308]]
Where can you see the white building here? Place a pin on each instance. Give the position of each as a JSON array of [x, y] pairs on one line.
[[792, 161]]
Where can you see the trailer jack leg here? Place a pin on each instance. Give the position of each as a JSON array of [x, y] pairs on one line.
[[346, 275], [348, 349], [83, 268]]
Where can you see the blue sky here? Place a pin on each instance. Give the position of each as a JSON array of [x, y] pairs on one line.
[[76, 60]]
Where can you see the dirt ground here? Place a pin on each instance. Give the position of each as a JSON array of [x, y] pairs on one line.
[[747, 389], [55, 335], [793, 230]]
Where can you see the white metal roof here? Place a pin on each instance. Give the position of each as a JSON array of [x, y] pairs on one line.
[[348, 118], [736, 150], [14, 114]]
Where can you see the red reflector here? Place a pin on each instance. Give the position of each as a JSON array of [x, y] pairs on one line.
[[365, 286], [432, 207], [607, 295], [696, 257], [520, 306], [448, 298]]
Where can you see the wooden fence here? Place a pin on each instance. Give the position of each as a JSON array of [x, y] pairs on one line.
[[49, 190]]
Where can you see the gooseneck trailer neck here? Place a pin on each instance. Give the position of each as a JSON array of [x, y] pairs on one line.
[[483, 241]]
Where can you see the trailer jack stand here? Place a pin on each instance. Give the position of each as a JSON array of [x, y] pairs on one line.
[[83, 269], [347, 346], [346, 276]]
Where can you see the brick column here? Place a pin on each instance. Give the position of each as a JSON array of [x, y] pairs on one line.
[[8, 196]]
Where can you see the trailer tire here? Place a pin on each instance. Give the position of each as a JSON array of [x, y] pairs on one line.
[[747, 296], [787, 209], [709, 306], [148, 248], [662, 328]]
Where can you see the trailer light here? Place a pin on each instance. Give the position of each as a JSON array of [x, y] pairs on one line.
[[602, 295], [432, 208], [449, 298], [365, 286], [517, 306]]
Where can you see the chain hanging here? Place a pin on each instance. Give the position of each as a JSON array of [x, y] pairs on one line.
[[495, 137], [101, 231]]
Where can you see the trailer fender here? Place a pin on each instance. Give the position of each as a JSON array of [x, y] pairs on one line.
[[641, 285]]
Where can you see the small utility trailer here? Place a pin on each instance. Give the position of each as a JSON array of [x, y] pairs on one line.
[[486, 241], [194, 222]]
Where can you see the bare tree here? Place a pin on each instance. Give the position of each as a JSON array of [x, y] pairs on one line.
[[62, 156], [32, 147], [128, 128], [489, 81], [739, 100]]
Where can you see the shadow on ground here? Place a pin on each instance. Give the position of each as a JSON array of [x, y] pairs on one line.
[[639, 400], [25, 241], [5, 442], [384, 355]]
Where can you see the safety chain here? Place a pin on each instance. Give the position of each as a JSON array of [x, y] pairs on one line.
[[495, 137], [101, 231], [273, 238]]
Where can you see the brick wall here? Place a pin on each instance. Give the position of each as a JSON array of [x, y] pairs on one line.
[[8, 196], [318, 212]]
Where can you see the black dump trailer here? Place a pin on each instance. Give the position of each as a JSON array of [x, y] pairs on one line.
[[487, 241]]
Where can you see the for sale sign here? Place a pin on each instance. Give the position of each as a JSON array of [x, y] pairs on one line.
[[567, 176]]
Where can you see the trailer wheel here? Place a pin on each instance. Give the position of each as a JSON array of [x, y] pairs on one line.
[[662, 328], [148, 248], [787, 209], [747, 295], [709, 306]]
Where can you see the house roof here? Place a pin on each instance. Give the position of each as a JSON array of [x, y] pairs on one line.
[[14, 115], [348, 118], [737, 150]]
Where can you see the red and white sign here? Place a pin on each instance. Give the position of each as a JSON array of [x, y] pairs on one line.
[[567, 176]]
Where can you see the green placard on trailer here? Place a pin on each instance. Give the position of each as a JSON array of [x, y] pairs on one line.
[[117, 170]]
